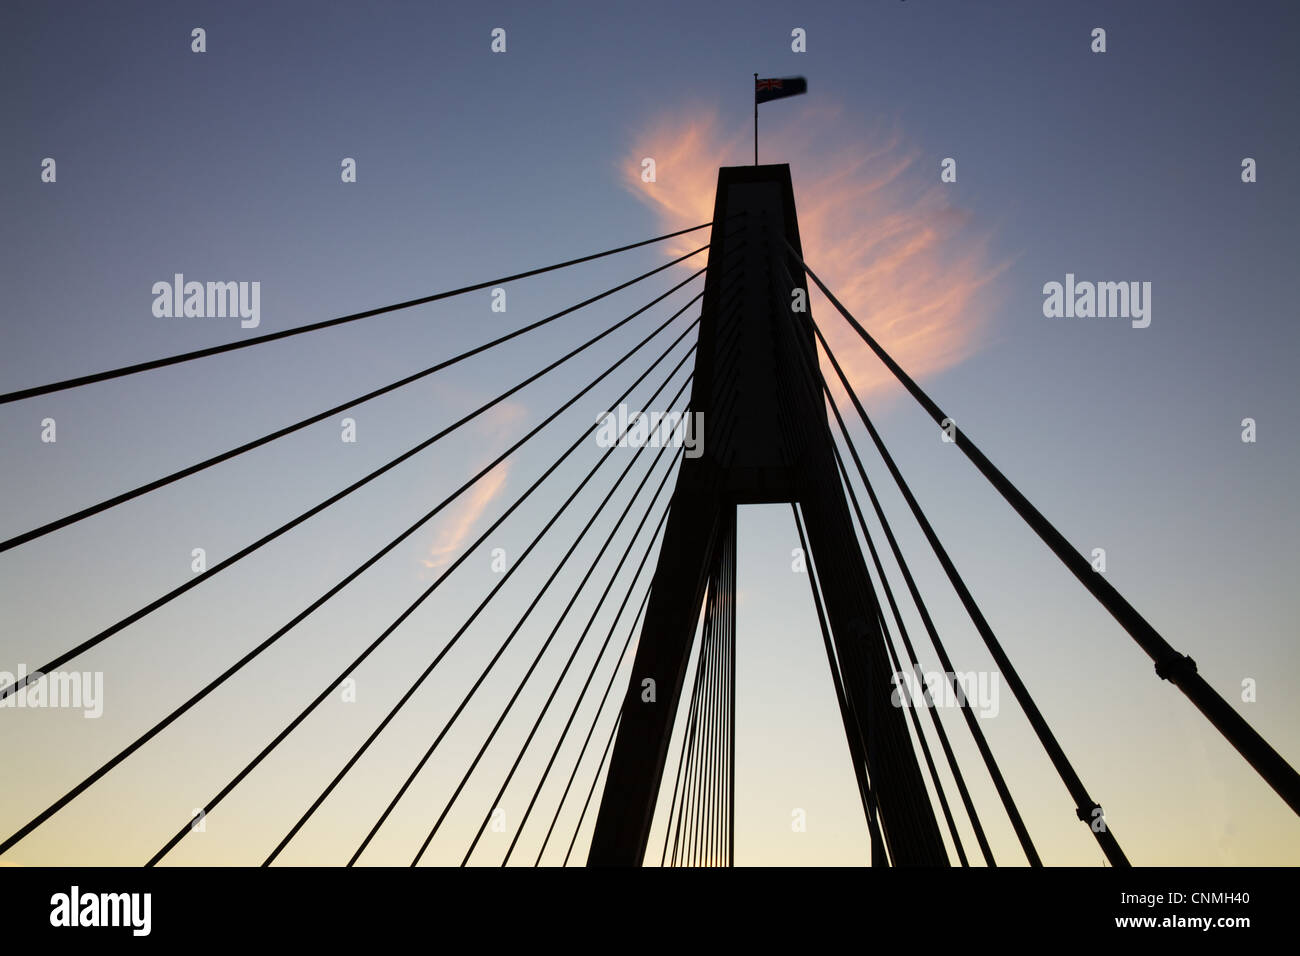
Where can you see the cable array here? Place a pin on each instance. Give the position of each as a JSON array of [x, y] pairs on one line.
[[663, 464]]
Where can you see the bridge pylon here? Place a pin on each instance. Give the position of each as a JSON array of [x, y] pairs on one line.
[[766, 440]]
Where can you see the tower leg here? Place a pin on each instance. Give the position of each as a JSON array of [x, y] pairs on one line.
[[677, 593]]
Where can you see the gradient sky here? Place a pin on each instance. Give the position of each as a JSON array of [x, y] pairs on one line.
[[225, 166]]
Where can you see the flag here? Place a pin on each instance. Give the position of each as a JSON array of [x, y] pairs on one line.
[[774, 89]]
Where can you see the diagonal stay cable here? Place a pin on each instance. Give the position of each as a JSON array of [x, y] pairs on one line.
[[977, 734], [687, 811], [926, 697], [613, 732], [456, 637], [720, 441], [591, 674], [722, 831], [848, 657], [718, 823], [497, 656], [414, 773], [161, 725], [325, 692], [900, 821], [808, 355], [860, 759], [618, 718], [1084, 804], [707, 806], [691, 730], [687, 770], [315, 326], [709, 848], [1170, 665], [618, 664], [194, 469], [595, 665], [732, 614], [582, 637], [685, 776], [316, 509], [688, 732], [714, 736], [606, 696], [514, 631]]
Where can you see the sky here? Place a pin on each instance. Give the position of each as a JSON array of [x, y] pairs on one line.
[[225, 165]]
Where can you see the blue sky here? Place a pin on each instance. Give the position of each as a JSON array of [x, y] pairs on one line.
[[225, 166]]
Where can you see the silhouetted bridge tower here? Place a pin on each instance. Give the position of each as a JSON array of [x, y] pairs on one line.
[[758, 382], [770, 443], [758, 378]]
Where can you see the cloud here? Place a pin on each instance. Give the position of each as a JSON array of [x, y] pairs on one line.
[[875, 224], [457, 526]]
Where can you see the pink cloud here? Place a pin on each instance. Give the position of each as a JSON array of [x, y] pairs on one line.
[[875, 225]]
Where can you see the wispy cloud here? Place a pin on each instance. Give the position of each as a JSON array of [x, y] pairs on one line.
[[455, 528], [453, 532], [875, 226]]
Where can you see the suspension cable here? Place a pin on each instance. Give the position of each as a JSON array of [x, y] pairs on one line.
[[582, 692], [514, 631], [180, 835], [1170, 665], [315, 326], [600, 603], [807, 353], [316, 509], [414, 773], [158, 727], [1085, 806], [977, 733], [194, 469]]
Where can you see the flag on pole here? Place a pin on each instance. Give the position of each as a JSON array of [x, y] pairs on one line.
[[774, 89]]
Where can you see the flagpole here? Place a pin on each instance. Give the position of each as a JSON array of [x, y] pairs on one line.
[[755, 119]]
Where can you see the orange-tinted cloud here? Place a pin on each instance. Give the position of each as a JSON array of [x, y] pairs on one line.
[[467, 510], [446, 546], [875, 225]]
